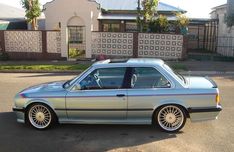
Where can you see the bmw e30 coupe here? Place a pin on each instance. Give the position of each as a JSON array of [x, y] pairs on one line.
[[133, 91]]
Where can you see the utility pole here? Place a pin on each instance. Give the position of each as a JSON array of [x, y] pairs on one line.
[[138, 16]]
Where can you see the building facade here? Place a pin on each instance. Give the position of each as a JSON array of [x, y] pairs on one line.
[[225, 38], [78, 19]]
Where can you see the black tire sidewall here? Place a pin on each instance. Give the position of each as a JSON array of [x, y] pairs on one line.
[[51, 112]]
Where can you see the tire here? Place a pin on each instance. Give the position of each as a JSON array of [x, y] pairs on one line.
[[40, 116], [170, 118]]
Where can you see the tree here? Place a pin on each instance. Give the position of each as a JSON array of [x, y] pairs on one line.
[[148, 12], [33, 11], [182, 20], [181, 23], [230, 15], [159, 25]]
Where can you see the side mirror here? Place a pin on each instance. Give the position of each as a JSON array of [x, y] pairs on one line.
[[76, 87]]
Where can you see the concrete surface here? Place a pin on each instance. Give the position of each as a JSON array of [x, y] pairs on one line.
[[211, 136]]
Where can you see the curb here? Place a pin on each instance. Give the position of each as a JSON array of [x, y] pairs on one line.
[[40, 71], [207, 72], [79, 71]]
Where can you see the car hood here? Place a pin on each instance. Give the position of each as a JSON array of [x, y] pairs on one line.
[[45, 87], [200, 82]]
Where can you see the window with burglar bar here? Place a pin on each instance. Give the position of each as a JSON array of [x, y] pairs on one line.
[[76, 34]]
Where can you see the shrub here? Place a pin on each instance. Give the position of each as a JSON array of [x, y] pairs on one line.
[[160, 25], [73, 53], [4, 56]]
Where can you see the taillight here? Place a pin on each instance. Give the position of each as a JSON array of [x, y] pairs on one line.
[[217, 98]]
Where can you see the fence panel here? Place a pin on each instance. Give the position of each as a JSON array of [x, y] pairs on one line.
[[23, 41], [53, 42], [112, 44], [225, 46], [165, 46]]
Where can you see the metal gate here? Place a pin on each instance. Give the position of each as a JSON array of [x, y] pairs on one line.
[[202, 35], [76, 41], [225, 46]]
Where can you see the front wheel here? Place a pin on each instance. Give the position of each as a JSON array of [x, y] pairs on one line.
[[40, 116], [170, 118]]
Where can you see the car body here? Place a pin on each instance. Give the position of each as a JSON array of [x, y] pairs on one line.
[[133, 91]]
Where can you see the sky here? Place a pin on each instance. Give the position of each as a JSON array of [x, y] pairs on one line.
[[194, 8]]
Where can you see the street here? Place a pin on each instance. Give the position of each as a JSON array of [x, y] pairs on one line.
[[207, 136]]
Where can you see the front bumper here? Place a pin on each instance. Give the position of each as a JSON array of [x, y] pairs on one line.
[[20, 114], [204, 113]]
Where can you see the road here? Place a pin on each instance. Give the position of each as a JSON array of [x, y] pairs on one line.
[[208, 136]]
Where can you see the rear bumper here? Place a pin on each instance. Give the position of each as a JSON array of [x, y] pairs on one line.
[[203, 114], [20, 114]]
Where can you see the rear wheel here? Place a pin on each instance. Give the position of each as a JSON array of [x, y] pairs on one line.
[[40, 116], [170, 118]]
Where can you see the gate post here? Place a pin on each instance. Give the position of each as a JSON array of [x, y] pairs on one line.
[[135, 44], [44, 44], [2, 41]]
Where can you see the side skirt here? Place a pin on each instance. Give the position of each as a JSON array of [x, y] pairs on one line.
[[124, 122]]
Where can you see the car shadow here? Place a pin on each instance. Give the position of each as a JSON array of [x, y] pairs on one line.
[[20, 137]]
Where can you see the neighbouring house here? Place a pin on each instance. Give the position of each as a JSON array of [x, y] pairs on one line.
[[12, 18], [78, 19], [220, 13], [225, 39]]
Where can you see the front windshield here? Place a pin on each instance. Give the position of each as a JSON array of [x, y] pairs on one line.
[[178, 75], [68, 83]]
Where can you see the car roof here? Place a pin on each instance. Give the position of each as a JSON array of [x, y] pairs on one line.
[[129, 62]]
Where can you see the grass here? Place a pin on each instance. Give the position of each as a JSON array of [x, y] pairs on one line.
[[45, 67]]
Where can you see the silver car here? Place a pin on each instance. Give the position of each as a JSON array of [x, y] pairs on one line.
[[133, 91]]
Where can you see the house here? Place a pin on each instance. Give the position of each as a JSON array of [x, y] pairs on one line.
[[12, 18], [225, 39], [220, 13], [77, 20]]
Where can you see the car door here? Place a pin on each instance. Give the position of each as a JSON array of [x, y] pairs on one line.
[[101, 96], [147, 86]]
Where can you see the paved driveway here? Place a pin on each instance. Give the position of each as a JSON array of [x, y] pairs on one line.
[[206, 136]]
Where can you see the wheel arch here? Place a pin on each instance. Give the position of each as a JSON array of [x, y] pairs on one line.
[[166, 104], [39, 101]]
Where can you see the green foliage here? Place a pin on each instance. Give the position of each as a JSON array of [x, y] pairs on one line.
[[73, 53], [230, 20], [45, 67], [160, 25], [182, 20], [149, 9], [4, 56], [33, 10], [148, 12]]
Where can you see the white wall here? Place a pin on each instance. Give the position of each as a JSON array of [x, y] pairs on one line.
[[223, 30], [62, 11]]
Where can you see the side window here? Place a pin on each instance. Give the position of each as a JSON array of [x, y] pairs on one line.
[[105, 78], [146, 77]]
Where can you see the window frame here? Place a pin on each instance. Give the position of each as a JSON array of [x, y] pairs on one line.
[[172, 85], [123, 86], [79, 32]]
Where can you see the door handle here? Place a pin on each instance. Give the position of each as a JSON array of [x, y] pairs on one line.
[[120, 95]]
